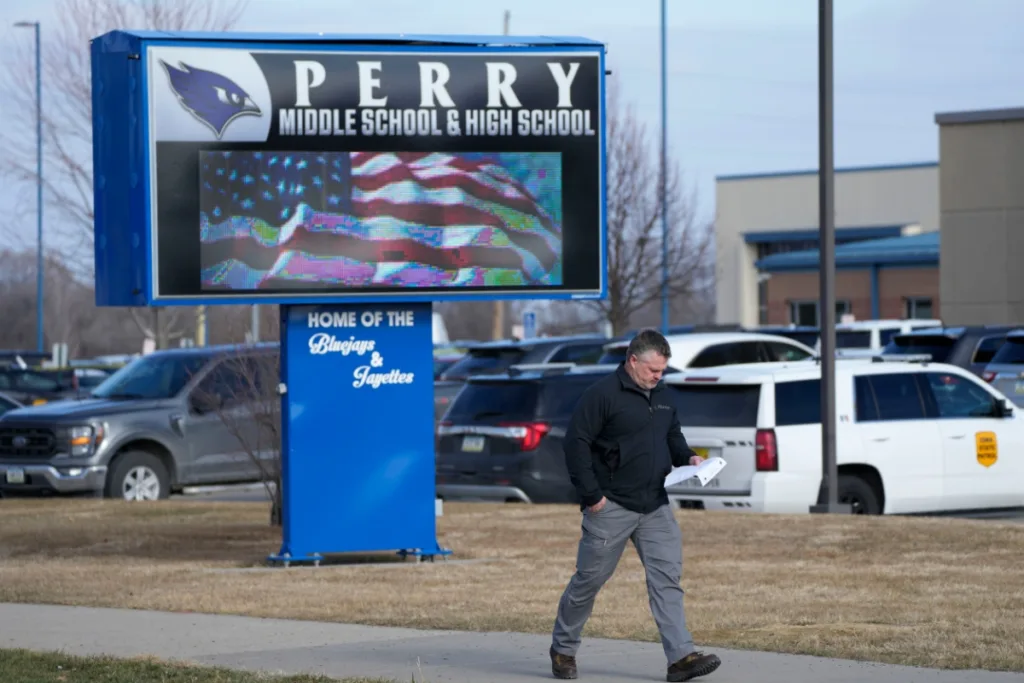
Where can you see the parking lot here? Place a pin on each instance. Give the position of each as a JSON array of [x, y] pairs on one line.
[[912, 417]]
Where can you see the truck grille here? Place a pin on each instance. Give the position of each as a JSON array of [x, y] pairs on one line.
[[31, 442]]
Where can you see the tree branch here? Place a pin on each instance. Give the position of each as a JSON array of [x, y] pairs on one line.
[[67, 103], [634, 224]]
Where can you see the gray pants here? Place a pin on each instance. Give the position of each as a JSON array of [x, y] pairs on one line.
[[658, 542]]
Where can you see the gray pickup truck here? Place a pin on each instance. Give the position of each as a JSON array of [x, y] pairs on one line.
[[167, 420]]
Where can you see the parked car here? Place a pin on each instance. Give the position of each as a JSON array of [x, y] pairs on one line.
[[37, 385], [87, 378], [442, 363], [497, 356], [709, 349], [1005, 371], [167, 420], [805, 334], [869, 337], [689, 329], [501, 439], [8, 403], [971, 347], [911, 437]]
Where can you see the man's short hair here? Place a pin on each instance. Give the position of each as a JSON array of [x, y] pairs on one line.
[[648, 340]]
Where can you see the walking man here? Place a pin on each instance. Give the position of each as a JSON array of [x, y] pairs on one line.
[[623, 441]]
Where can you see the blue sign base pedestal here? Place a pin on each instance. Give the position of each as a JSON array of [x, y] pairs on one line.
[[357, 431]]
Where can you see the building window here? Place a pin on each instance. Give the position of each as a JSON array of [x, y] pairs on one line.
[[917, 308], [765, 249], [770, 248], [803, 313], [842, 308], [806, 312], [762, 299]]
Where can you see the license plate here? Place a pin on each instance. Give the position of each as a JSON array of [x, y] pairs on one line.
[[472, 444], [1018, 388], [15, 475]]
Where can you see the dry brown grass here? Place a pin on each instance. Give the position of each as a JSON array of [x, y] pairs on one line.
[[934, 592]]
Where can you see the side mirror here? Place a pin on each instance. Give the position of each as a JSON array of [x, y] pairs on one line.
[[1005, 408]]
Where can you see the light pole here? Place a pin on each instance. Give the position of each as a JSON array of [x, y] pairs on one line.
[[828, 494], [499, 307], [664, 168], [39, 183]]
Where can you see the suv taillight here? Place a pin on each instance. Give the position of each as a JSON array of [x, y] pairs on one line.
[[988, 376], [528, 434], [766, 452]]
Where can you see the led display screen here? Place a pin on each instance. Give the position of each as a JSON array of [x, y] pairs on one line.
[[354, 173]]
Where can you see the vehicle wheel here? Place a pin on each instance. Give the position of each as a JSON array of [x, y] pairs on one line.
[[859, 495], [137, 475]]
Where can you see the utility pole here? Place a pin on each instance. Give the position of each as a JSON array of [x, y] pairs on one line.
[[662, 190], [201, 326], [498, 326], [828, 495], [255, 323], [40, 265]]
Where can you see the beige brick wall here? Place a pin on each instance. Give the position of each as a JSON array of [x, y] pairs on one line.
[[896, 284], [854, 286]]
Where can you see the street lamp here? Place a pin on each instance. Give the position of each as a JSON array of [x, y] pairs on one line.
[[828, 495], [39, 184]]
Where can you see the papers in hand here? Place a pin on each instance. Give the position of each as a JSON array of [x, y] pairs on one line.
[[704, 472]]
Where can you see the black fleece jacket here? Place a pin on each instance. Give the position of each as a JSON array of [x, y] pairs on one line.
[[622, 444]]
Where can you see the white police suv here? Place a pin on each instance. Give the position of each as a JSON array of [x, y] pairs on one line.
[[911, 437], [713, 349]]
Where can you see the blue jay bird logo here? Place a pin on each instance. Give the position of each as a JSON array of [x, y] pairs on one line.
[[212, 98]]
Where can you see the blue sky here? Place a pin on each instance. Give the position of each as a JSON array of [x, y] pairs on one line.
[[742, 84]]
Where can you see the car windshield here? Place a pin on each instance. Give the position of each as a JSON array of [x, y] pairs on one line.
[[613, 355], [1010, 353], [152, 376], [937, 346], [486, 401], [483, 361], [806, 338], [492, 401], [853, 339], [716, 405]]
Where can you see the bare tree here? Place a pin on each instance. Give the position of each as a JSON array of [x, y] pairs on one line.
[[468, 319], [558, 319], [233, 324], [70, 313], [245, 397], [67, 118], [634, 225]]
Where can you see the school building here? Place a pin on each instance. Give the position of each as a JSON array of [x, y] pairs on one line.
[[924, 240]]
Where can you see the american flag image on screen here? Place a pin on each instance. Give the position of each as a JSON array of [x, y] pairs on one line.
[[379, 219]]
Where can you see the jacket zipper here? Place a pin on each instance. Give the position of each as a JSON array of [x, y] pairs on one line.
[[650, 430]]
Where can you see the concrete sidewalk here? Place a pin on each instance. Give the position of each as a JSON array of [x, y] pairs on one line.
[[339, 650]]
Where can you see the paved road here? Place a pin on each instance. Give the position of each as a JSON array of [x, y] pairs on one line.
[[339, 650]]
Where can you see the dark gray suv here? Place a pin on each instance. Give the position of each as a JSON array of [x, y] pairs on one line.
[[166, 420], [493, 357], [501, 439]]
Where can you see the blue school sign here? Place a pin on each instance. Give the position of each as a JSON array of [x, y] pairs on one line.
[[352, 180]]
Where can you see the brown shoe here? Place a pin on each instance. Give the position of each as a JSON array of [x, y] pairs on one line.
[[562, 666], [691, 666]]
